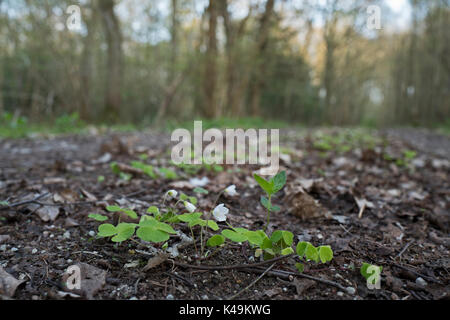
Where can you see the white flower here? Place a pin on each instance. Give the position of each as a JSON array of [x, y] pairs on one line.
[[231, 190], [196, 182], [189, 206], [220, 212], [172, 193]]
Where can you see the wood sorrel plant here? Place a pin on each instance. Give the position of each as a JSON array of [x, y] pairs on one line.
[[271, 187], [157, 226]]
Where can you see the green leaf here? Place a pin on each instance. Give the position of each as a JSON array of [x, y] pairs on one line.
[[165, 227], [168, 174], [193, 200], [189, 217], [266, 203], [106, 230], [300, 267], [279, 181], [288, 237], [183, 197], [301, 248], [124, 232], [200, 190], [264, 184], [325, 254], [254, 237], [234, 236], [196, 222], [311, 252], [153, 210], [97, 217], [113, 208], [276, 236], [147, 221], [213, 225], [287, 251], [152, 235], [215, 241], [275, 208], [364, 268], [130, 213], [267, 243]]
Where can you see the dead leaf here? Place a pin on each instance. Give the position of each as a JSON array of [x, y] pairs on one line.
[[69, 222], [92, 280], [47, 213], [301, 285], [303, 205], [156, 261], [181, 185], [272, 292], [8, 284], [88, 195]]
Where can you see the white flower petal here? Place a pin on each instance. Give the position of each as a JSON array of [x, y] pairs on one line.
[[189, 206], [172, 193], [220, 212], [231, 190]]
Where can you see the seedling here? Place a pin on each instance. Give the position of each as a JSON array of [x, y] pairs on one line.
[[271, 187]]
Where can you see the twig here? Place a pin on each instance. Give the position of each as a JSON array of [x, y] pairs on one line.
[[20, 203], [415, 272], [253, 283], [405, 248], [286, 274], [361, 211], [235, 266]]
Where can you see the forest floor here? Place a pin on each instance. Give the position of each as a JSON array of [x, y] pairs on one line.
[[379, 197]]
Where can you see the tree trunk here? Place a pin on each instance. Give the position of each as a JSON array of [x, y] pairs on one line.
[[210, 77], [262, 41], [87, 65], [114, 59]]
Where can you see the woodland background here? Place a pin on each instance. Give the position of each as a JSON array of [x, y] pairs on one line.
[[308, 62]]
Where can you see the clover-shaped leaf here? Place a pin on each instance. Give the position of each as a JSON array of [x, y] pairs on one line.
[[106, 230], [98, 217], [234, 236], [151, 234], [325, 254], [215, 241]]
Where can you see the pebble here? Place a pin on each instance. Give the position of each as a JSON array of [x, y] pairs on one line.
[[205, 297], [421, 282], [14, 249], [133, 298], [350, 290], [91, 233], [340, 293], [66, 235], [3, 247], [170, 297], [69, 260], [34, 251]]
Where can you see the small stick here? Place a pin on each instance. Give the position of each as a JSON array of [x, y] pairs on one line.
[[24, 202], [236, 266], [253, 283], [404, 249], [286, 274], [361, 211]]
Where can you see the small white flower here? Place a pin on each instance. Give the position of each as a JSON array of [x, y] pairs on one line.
[[189, 206], [231, 190], [220, 212], [172, 193]]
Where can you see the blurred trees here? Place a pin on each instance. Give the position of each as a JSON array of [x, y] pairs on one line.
[[310, 61]]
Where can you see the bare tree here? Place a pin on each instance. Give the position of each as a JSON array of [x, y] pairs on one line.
[[114, 59]]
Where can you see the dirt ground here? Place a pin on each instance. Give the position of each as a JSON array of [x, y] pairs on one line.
[[374, 200]]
